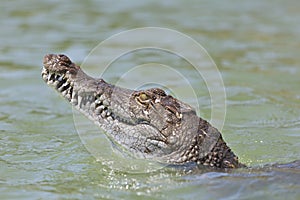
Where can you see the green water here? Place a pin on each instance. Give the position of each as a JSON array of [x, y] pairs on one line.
[[255, 45]]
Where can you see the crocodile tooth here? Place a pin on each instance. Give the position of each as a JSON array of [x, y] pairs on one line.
[[74, 101], [184, 158], [60, 78], [79, 100], [54, 82], [105, 102], [92, 106], [110, 118], [68, 96], [103, 114], [99, 109], [65, 84], [102, 97], [98, 101], [64, 93], [178, 115], [69, 81], [49, 76], [204, 133], [44, 75], [59, 86]]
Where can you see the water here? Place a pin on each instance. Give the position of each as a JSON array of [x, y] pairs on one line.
[[255, 44]]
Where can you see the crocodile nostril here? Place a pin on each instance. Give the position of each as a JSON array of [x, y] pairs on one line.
[[47, 58]]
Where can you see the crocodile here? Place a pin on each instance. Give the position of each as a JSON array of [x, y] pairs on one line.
[[149, 124]]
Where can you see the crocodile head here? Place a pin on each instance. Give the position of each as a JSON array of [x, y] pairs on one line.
[[147, 123]]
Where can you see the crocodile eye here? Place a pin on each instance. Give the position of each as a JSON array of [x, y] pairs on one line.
[[143, 98]]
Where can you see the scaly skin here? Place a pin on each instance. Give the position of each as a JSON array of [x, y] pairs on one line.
[[148, 123]]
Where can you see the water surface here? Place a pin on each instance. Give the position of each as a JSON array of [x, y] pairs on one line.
[[255, 45]]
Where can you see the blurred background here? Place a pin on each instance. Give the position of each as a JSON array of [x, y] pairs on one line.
[[255, 45]]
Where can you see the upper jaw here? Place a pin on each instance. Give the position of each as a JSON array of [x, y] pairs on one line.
[[58, 72], [87, 94]]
